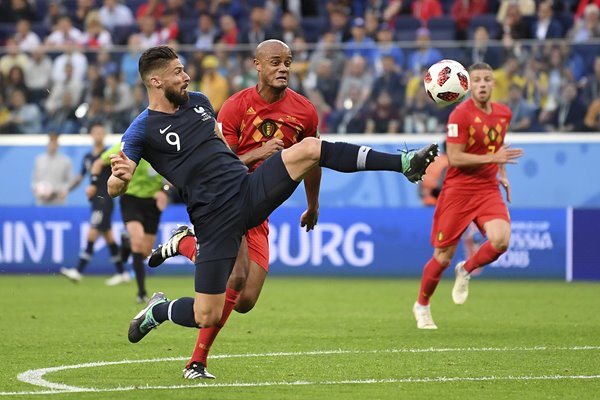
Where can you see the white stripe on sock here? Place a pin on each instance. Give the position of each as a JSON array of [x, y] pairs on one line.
[[170, 308], [361, 159]]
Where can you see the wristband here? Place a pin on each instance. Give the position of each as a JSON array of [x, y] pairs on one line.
[[94, 180]]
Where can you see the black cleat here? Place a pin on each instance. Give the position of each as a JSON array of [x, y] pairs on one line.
[[415, 162], [144, 321], [170, 247], [197, 370]]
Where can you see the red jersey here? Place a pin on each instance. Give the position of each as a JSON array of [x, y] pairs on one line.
[[482, 134], [248, 121]]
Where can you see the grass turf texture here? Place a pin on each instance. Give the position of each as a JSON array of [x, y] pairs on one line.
[[508, 330]]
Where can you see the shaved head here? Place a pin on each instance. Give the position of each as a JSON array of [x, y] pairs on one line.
[[270, 46]]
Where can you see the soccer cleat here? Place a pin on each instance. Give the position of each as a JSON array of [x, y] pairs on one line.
[[197, 370], [142, 298], [117, 279], [415, 162], [72, 274], [460, 291], [423, 316], [144, 321], [169, 248], [125, 246]]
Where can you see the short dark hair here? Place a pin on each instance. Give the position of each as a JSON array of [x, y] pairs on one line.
[[155, 58], [94, 123], [479, 66]]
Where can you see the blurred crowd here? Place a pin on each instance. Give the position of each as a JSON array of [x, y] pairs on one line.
[[65, 64]]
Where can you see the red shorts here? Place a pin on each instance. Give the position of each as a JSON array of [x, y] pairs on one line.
[[258, 244], [455, 210]]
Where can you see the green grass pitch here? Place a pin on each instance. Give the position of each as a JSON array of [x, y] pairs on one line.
[[306, 339]]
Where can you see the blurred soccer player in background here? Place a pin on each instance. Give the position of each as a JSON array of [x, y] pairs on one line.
[[477, 157], [102, 209]]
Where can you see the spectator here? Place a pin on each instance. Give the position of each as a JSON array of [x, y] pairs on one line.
[[129, 60], [290, 28], [75, 59], [421, 116], [545, 25], [338, 24], [514, 28], [526, 7], [52, 173], [19, 10], [391, 11], [148, 35], [234, 8], [591, 84], [37, 75], [372, 25], [13, 57], [321, 88], [358, 79], [169, 27], [93, 85], [118, 103], [114, 14], [151, 8], [140, 101], [212, 84], [587, 28], [26, 39], [424, 10], [229, 30], [257, 31], [505, 76], [83, 8], [424, 54], [390, 81], [575, 66], [56, 9], [387, 47], [536, 84], [206, 33], [462, 11], [482, 51], [24, 117], [300, 65], [95, 36], [15, 80], [62, 102], [591, 121], [64, 35], [384, 116], [106, 65], [570, 113], [580, 10], [524, 114], [246, 76], [360, 44], [327, 49], [95, 114], [351, 117]]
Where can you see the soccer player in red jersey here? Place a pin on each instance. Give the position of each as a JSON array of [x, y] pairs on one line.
[[477, 156], [257, 122]]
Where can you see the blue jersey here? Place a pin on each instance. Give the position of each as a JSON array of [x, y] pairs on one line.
[[184, 148], [86, 167]]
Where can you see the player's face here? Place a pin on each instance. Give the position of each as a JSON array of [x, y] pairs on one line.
[[274, 67], [175, 82], [482, 83]]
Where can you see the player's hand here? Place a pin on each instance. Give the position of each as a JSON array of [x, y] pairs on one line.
[[91, 191], [309, 219], [506, 185], [271, 147], [161, 200], [120, 166], [507, 155]]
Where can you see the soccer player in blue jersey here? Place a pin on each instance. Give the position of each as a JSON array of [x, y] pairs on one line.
[[178, 135]]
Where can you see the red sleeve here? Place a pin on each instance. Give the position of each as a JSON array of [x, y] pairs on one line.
[[313, 129], [456, 129], [230, 119]]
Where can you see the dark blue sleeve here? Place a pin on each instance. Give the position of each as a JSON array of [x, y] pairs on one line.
[[84, 171], [204, 101], [133, 139]]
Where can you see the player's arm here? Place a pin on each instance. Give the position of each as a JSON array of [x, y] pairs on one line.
[[458, 157], [122, 171], [75, 182], [262, 153], [503, 179], [312, 186]]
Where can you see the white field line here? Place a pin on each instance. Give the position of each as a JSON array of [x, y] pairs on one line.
[[36, 376]]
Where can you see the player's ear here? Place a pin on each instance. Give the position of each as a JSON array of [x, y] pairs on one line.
[[257, 64], [155, 82]]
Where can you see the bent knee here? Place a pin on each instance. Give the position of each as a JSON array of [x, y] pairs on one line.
[[206, 319], [500, 245], [311, 147]]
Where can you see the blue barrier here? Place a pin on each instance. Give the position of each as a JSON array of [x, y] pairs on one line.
[[543, 178], [348, 242]]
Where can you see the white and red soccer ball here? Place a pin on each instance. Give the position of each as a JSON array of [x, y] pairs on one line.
[[447, 82]]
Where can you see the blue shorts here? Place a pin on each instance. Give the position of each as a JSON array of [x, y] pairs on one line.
[[218, 234], [102, 210]]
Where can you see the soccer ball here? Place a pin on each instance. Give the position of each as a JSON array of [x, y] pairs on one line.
[[447, 82]]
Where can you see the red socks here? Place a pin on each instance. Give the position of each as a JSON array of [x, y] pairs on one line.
[[484, 256], [432, 273], [187, 247], [207, 336]]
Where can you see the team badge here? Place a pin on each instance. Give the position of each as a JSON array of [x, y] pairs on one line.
[[492, 134], [440, 236], [267, 128]]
